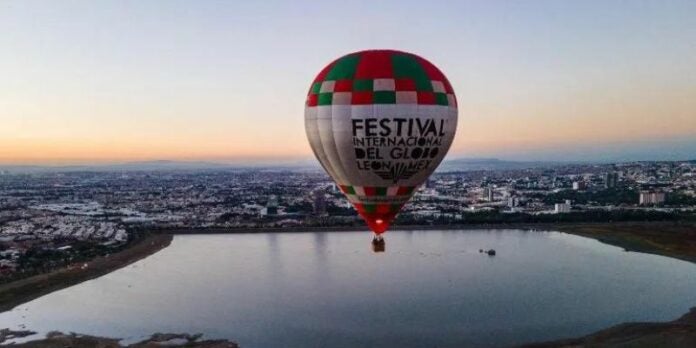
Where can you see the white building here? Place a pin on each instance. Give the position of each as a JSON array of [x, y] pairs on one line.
[[513, 202], [488, 194], [649, 198], [562, 208]]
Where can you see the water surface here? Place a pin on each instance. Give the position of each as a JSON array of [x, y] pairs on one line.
[[430, 288]]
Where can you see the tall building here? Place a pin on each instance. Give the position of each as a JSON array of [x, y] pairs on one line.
[[578, 185], [611, 179], [272, 206], [319, 203], [651, 198], [488, 194]]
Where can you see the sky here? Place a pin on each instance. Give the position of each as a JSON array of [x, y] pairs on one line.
[[112, 81]]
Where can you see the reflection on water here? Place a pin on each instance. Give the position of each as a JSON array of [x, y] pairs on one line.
[[429, 288]]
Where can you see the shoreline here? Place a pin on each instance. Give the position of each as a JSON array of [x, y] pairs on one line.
[[669, 239], [675, 240], [73, 340], [680, 332], [664, 238], [24, 290], [496, 226]]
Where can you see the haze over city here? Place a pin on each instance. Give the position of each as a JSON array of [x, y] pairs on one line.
[[85, 82]]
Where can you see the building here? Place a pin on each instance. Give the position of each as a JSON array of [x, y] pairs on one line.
[[578, 185], [611, 179], [651, 198], [488, 194], [272, 206], [562, 208], [513, 202], [319, 203]]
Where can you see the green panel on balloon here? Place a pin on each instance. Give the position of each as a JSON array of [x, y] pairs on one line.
[[384, 97], [325, 98], [362, 85], [406, 66], [441, 98], [344, 68]]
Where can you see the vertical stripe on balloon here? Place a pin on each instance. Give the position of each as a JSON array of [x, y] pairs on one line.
[[374, 65], [344, 68], [406, 66]]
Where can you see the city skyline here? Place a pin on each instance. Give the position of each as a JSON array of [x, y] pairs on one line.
[[107, 82]]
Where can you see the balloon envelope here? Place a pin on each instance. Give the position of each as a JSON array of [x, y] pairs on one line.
[[380, 122]]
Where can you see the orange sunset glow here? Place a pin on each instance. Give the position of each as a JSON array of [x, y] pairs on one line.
[[99, 90]]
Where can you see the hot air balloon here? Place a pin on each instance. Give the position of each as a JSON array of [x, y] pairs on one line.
[[380, 122]]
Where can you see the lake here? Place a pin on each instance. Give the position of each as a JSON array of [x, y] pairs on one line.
[[430, 288]]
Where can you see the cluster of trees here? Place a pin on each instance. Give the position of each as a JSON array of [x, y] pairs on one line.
[[334, 210], [614, 196], [680, 199], [41, 259], [300, 207], [610, 196], [494, 217]]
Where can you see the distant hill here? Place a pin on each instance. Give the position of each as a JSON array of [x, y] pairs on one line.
[[461, 164], [127, 166], [471, 164], [164, 165]]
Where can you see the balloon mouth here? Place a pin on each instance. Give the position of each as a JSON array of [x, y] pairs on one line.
[[378, 224], [380, 218]]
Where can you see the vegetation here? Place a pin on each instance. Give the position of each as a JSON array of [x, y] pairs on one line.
[[680, 199], [30, 287], [611, 196], [42, 259], [495, 217]]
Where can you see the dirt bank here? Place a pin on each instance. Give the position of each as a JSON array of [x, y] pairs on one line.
[[677, 333], [58, 339], [24, 290], [673, 239]]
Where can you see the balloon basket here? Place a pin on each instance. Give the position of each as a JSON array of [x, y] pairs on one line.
[[378, 244]]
